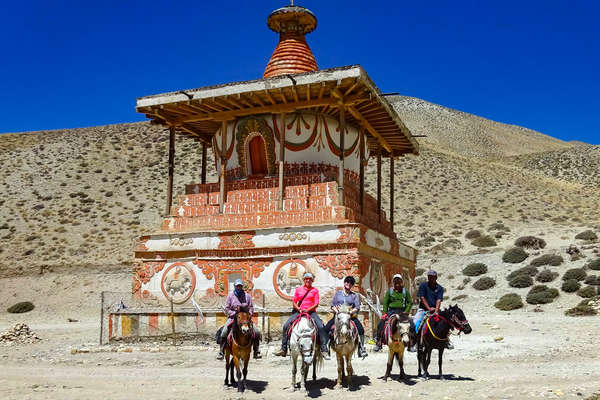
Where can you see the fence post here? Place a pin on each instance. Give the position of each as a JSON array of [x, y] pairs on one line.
[[101, 316], [263, 317]]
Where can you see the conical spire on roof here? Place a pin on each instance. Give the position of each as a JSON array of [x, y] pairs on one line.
[[292, 54]]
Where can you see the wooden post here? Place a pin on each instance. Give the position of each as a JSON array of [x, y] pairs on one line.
[[392, 190], [262, 330], [281, 161], [379, 185], [101, 316], [223, 161], [342, 149], [361, 157], [172, 321], [203, 174], [171, 169]]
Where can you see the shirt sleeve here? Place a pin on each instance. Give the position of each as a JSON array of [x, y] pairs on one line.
[[440, 295], [297, 295], [421, 291], [386, 301], [250, 304], [356, 301], [409, 302], [228, 306]]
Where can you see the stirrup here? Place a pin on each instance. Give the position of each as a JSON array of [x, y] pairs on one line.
[[220, 356], [257, 354]]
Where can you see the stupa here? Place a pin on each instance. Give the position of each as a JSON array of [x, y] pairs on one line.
[[291, 150]]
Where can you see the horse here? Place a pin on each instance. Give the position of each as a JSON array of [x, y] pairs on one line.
[[239, 348], [397, 330], [303, 342], [434, 335], [344, 343]]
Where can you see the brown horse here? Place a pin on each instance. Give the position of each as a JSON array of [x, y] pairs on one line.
[[397, 334], [239, 348]]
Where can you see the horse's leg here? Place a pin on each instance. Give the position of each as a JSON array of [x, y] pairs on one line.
[[419, 357], [238, 372], [340, 369], [390, 362], [226, 368], [427, 357], [400, 356], [349, 368], [245, 371], [440, 353], [303, 373], [294, 369]]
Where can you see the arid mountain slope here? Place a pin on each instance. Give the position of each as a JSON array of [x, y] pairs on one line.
[[76, 198], [468, 134]]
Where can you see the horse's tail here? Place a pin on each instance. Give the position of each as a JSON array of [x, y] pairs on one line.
[[319, 361]]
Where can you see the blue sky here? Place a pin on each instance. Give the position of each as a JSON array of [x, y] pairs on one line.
[[70, 64]]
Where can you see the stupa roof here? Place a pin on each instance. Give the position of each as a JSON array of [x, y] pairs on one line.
[[200, 111]]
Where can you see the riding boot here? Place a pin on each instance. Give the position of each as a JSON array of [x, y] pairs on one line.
[[221, 354], [256, 349], [361, 347], [378, 345]]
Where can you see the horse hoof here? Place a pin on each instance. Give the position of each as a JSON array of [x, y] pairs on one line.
[[337, 387]]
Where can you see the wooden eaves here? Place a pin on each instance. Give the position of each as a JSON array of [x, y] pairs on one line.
[[200, 112]]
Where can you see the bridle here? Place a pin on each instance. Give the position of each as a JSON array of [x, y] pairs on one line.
[[236, 327], [457, 323], [337, 327]]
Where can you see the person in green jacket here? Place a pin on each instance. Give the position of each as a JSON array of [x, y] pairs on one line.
[[397, 301]]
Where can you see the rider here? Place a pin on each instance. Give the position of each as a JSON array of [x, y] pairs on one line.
[[430, 295], [397, 301], [347, 296], [236, 300], [306, 300]]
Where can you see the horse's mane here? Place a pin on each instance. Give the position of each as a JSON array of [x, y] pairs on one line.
[[344, 308], [304, 327]]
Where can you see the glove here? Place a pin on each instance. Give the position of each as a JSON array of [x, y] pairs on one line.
[[384, 316]]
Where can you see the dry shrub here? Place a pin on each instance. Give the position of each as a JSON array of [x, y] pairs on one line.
[[594, 264], [547, 259], [22, 307], [574, 273], [475, 269], [587, 292], [508, 302], [521, 281], [541, 294], [583, 309], [530, 242], [570, 286], [592, 280], [473, 234], [484, 283], [484, 241], [586, 235], [546, 276], [515, 255]]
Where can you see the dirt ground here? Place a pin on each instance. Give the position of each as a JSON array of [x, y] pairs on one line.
[[518, 354]]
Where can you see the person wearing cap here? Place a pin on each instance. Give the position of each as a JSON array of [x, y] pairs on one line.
[[306, 300], [430, 296], [397, 300], [347, 296], [236, 300]]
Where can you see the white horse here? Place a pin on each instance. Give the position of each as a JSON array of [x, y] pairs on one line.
[[344, 343], [303, 342]]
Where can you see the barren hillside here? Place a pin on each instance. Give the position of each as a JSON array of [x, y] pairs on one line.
[[468, 134], [76, 198]]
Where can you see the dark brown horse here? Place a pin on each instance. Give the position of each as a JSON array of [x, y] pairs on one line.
[[239, 348], [435, 330]]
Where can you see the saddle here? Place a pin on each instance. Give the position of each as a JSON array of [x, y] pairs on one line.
[[387, 330], [295, 322]]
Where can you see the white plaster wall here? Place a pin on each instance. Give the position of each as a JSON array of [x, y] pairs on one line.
[[317, 152], [378, 240]]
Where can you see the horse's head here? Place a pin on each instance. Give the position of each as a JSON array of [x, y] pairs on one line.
[[458, 319], [304, 333], [401, 328], [243, 320], [343, 326]]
